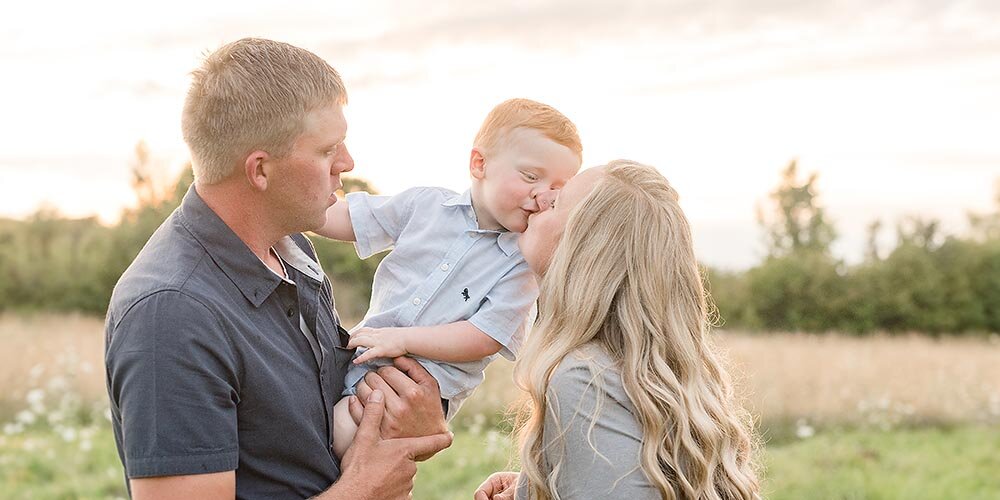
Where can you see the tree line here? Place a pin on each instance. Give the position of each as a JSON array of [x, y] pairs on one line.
[[52, 263], [928, 281]]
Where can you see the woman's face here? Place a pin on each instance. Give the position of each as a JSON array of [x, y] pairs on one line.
[[545, 228]]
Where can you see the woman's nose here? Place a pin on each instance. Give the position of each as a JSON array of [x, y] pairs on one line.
[[546, 199]]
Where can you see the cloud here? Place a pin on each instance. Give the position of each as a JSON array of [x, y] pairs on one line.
[[799, 37]]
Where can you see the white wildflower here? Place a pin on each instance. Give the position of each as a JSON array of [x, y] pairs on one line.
[[26, 417], [57, 384], [803, 430], [35, 398], [68, 433]]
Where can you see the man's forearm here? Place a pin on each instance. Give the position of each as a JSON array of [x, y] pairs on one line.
[[454, 343]]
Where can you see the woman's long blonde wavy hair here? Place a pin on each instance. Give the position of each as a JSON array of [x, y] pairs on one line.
[[624, 277]]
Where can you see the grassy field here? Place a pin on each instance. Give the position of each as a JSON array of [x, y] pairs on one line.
[[928, 463], [843, 418]]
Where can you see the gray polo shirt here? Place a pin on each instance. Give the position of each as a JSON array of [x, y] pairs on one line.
[[215, 363]]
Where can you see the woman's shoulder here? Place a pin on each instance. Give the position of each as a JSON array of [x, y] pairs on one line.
[[589, 372]]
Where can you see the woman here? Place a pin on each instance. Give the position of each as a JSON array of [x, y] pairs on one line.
[[627, 397]]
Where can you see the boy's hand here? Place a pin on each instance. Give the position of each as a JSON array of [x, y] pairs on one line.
[[381, 343]]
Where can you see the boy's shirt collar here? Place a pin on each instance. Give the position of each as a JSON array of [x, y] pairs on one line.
[[506, 240]]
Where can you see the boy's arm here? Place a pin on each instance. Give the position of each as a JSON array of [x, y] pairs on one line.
[[338, 223], [453, 343]]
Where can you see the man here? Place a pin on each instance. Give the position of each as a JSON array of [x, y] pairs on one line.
[[224, 353]]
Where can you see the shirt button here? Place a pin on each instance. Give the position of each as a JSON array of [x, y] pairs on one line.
[[444, 267], [290, 311], [416, 302]]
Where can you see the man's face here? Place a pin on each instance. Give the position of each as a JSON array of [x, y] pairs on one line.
[[524, 165], [308, 177]]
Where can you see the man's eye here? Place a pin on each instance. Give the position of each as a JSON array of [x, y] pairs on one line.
[[530, 177], [332, 150]]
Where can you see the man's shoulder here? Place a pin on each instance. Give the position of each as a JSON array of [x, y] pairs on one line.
[[166, 262]]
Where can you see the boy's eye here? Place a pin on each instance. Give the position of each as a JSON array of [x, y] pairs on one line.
[[531, 177]]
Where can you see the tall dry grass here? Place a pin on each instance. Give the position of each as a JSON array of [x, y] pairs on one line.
[[809, 380], [817, 379], [53, 352], [879, 380]]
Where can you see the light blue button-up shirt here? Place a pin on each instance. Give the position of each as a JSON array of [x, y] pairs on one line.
[[442, 269]]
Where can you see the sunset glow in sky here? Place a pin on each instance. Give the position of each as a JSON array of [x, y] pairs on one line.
[[896, 105]]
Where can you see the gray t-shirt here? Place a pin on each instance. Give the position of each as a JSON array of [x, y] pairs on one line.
[[599, 457]]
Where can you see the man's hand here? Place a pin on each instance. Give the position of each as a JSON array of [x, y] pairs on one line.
[[377, 468], [412, 400], [499, 486], [381, 343]]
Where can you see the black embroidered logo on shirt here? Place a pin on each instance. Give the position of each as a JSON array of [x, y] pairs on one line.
[[465, 294]]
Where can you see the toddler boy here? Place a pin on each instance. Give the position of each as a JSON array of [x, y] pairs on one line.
[[454, 291]]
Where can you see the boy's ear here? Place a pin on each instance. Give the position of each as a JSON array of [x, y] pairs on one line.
[[477, 164], [256, 168]]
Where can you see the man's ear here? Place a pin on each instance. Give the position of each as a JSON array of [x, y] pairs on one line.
[[255, 171], [477, 164]]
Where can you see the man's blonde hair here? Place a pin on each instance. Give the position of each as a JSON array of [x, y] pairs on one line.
[[253, 94], [525, 113]]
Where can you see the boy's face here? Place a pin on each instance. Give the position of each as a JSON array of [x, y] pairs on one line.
[[523, 165]]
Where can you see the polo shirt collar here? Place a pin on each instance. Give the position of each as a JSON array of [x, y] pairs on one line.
[[292, 254], [234, 258], [463, 199], [506, 240]]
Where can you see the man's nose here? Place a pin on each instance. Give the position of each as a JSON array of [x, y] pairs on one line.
[[346, 160]]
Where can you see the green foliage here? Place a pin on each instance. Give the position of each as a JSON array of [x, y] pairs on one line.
[[52, 263], [929, 282], [800, 291], [797, 222]]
